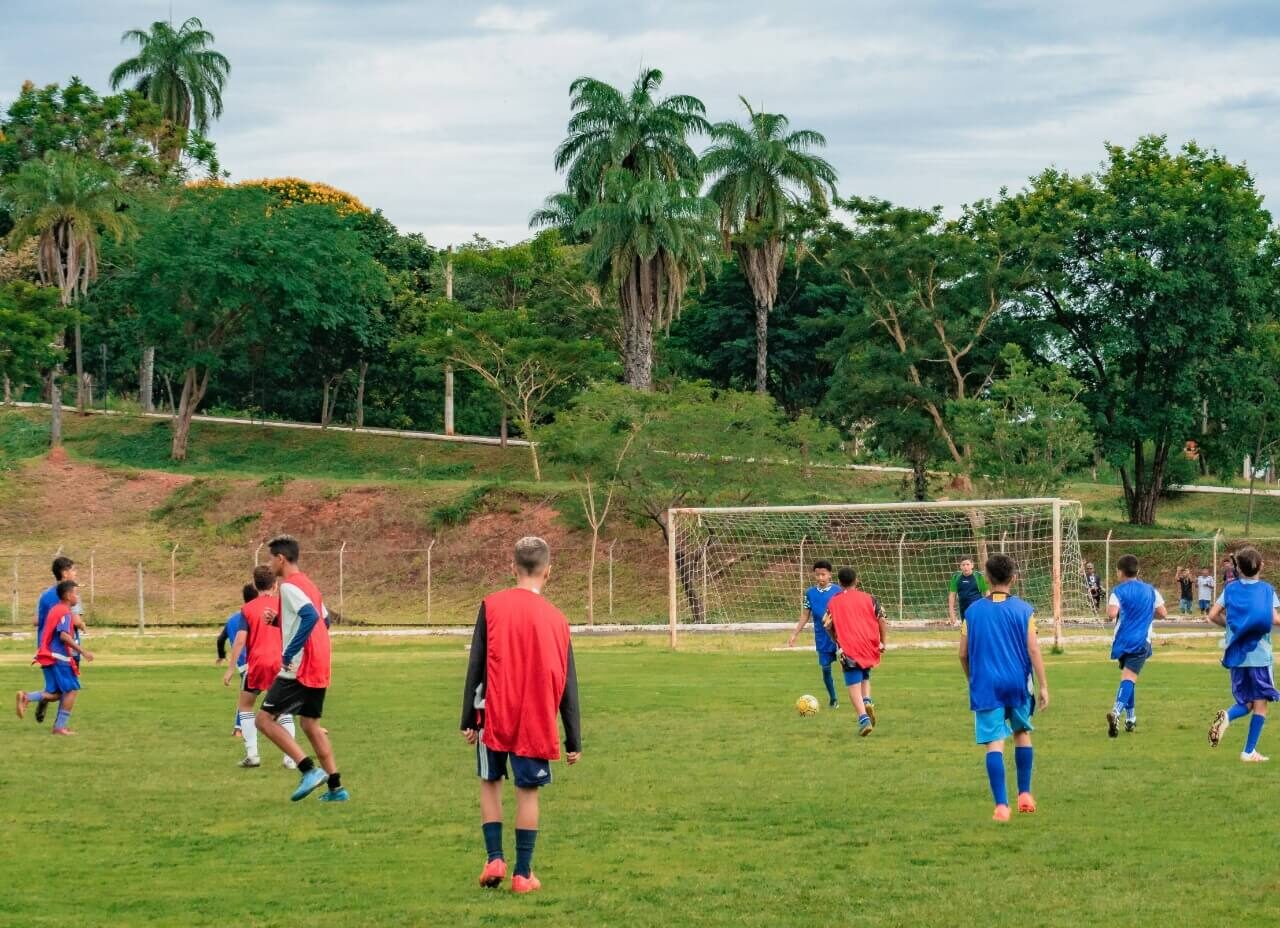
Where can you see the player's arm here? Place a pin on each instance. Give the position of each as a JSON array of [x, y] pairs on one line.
[[477, 666], [569, 714], [805, 613], [964, 650], [308, 619], [70, 641], [1113, 607], [1218, 613], [1037, 661], [237, 646], [1162, 611], [222, 644]]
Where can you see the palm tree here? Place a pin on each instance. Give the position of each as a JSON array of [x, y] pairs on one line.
[[757, 170], [65, 201], [178, 71]]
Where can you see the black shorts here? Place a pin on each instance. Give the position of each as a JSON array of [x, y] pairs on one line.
[[244, 683], [289, 697]]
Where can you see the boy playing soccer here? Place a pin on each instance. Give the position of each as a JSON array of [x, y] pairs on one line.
[[299, 688], [519, 676], [1133, 605], [1204, 589], [999, 651], [814, 607], [57, 645], [63, 569], [856, 623], [255, 651], [965, 589], [1247, 609]]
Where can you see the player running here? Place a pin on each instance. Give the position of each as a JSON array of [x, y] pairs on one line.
[[1247, 609], [965, 589], [63, 569], [999, 651], [57, 645], [814, 606], [1133, 605], [856, 623], [299, 688], [520, 675], [255, 653]]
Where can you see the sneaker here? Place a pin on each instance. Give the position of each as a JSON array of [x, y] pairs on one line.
[[250, 762], [289, 763], [834, 704], [1026, 803], [1220, 723], [494, 872], [871, 710], [335, 795], [1001, 814], [1130, 725], [1254, 758], [1113, 724], [68, 731], [41, 708], [21, 706], [310, 781], [525, 884]]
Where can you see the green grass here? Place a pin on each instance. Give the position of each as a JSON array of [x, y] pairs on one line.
[[702, 799]]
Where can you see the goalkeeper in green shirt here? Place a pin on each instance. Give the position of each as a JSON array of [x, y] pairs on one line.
[[965, 589]]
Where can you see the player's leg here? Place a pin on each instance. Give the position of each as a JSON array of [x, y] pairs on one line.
[[1256, 723], [61, 724], [825, 659], [491, 768], [1124, 702], [991, 728], [1023, 754], [318, 735], [37, 696], [523, 880], [287, 723], [248, 727], [868, 703], [853, 680]]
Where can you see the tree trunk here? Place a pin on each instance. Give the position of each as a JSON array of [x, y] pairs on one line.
[[919, 480], [762, 266], [639, 298], [8, 392], [762, 349], [502, 431], [591, 576], [193, 390], [364, 371], [80, 401], [55, 403], [525, 421], [324, 403], [146, 379]]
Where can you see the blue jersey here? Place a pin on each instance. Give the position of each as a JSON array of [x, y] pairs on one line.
[[999, 663], [48, 599], [1250, 605], [816, 601], [1137, 600], [57, 646], [235, 623]]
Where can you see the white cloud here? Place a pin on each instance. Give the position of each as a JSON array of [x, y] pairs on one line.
[[507, 19]]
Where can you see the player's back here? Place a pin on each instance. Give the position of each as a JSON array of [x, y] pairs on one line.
[[1137, 602], [857, 626], [311, 665], [263, 642], [999, 663], [1250, 611]]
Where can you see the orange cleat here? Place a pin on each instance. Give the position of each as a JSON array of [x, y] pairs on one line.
[[22, 704], [1001, 814], [62, 731], [494, 872], [1026, 803], [525, 884]]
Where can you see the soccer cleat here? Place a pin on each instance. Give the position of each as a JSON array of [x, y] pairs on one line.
[[1220, 723], [41, 708], [865, 726], [289, 763], [1113, 724], [1254, 758], [335, 795], [525, 884], [1001, 814], [311, 781], [68, 731], [1130, 725], [250, 762], [834, 704], [494, 872], [1026, 803], [22, 704], [871, 710]]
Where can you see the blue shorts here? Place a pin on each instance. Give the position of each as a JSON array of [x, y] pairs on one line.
[[999, 723], [1184, 605], [1250, 683], [1135, 661], [826, 659], [60, 678], [1204, 605], [527, 772], [854, 676]]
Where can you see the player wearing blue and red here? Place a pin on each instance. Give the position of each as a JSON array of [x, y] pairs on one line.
[[999, 651], [299, 688], [63, 569], [520, 676], [814, 606], [856, 624], [256, 656], [57, 646]]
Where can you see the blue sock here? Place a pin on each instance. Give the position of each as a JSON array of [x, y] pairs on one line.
[[64, 716], [1024, 757], [34, 695], [492, 839], [525, 839], [1238, 711], [1124, 696], [829, 682], [864, 719], [1255, 732], [995, 774]]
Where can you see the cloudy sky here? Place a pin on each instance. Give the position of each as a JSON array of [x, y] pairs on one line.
[[445, 114]]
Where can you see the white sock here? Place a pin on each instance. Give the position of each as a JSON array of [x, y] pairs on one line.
[[249, 729], [286, 722]]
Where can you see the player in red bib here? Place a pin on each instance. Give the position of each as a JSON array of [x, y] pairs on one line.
[[520, 676], [57, 647], [856, 622], [299, 686], [260, 637]]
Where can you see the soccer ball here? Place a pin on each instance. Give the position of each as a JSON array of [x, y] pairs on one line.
[[807, 705]]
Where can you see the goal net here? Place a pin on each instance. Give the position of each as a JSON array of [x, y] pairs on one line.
[[752, 564]]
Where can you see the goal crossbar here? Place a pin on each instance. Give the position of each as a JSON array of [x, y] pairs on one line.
[[872, 507]]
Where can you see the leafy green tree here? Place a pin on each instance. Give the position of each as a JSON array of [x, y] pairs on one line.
[[32, 322], [756, 171], [178, 70]]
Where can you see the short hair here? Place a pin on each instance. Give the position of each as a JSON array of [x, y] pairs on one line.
[[61, 564], [822, 565], [966, 558], [263, 578], [1000, 568], [1249, 560], [65, 587], [286, 545], [847, 576], [1128, 565], [532, 554], [249, 593]]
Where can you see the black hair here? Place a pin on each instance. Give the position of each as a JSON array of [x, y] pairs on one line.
[[1000, 568], [286, 545], [1249, 561], [65, 587], [1128, 565], [847, 577], [61, 564], [263, 578], [249, 593], [821, 565]]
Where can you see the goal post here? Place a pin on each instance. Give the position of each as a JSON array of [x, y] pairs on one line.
[[750, 564]]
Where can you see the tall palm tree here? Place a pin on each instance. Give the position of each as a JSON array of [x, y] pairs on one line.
[[177, 70], [757, 171], [65, 201]]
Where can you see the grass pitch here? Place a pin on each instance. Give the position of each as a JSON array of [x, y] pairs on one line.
[[701, 799]]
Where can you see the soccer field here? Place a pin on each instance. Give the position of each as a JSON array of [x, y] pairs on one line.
[[701, 799]]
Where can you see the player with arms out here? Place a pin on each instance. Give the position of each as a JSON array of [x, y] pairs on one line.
[[965, 589], [856, 624], [255, 650], [520, 675], [999, 651], [1247, 609], [299, 688], [1133, 605], [57, 645], [814, 606]]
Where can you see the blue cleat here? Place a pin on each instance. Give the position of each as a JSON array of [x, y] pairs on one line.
[[312, 780], [335, 795]]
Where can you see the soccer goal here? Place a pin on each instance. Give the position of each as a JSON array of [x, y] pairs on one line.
[[751, 564]]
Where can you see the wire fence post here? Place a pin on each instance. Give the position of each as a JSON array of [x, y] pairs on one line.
[[1004, 539], [611, 544], [142, 619], [342, 602], [901, 588], [429, 547], [803, 575], [173, 588], [1106, 565], [1214, 564], [14, 607], [92, 583], [257, 551]]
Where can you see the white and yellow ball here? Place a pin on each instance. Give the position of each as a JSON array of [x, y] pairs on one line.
[[807, 705]]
